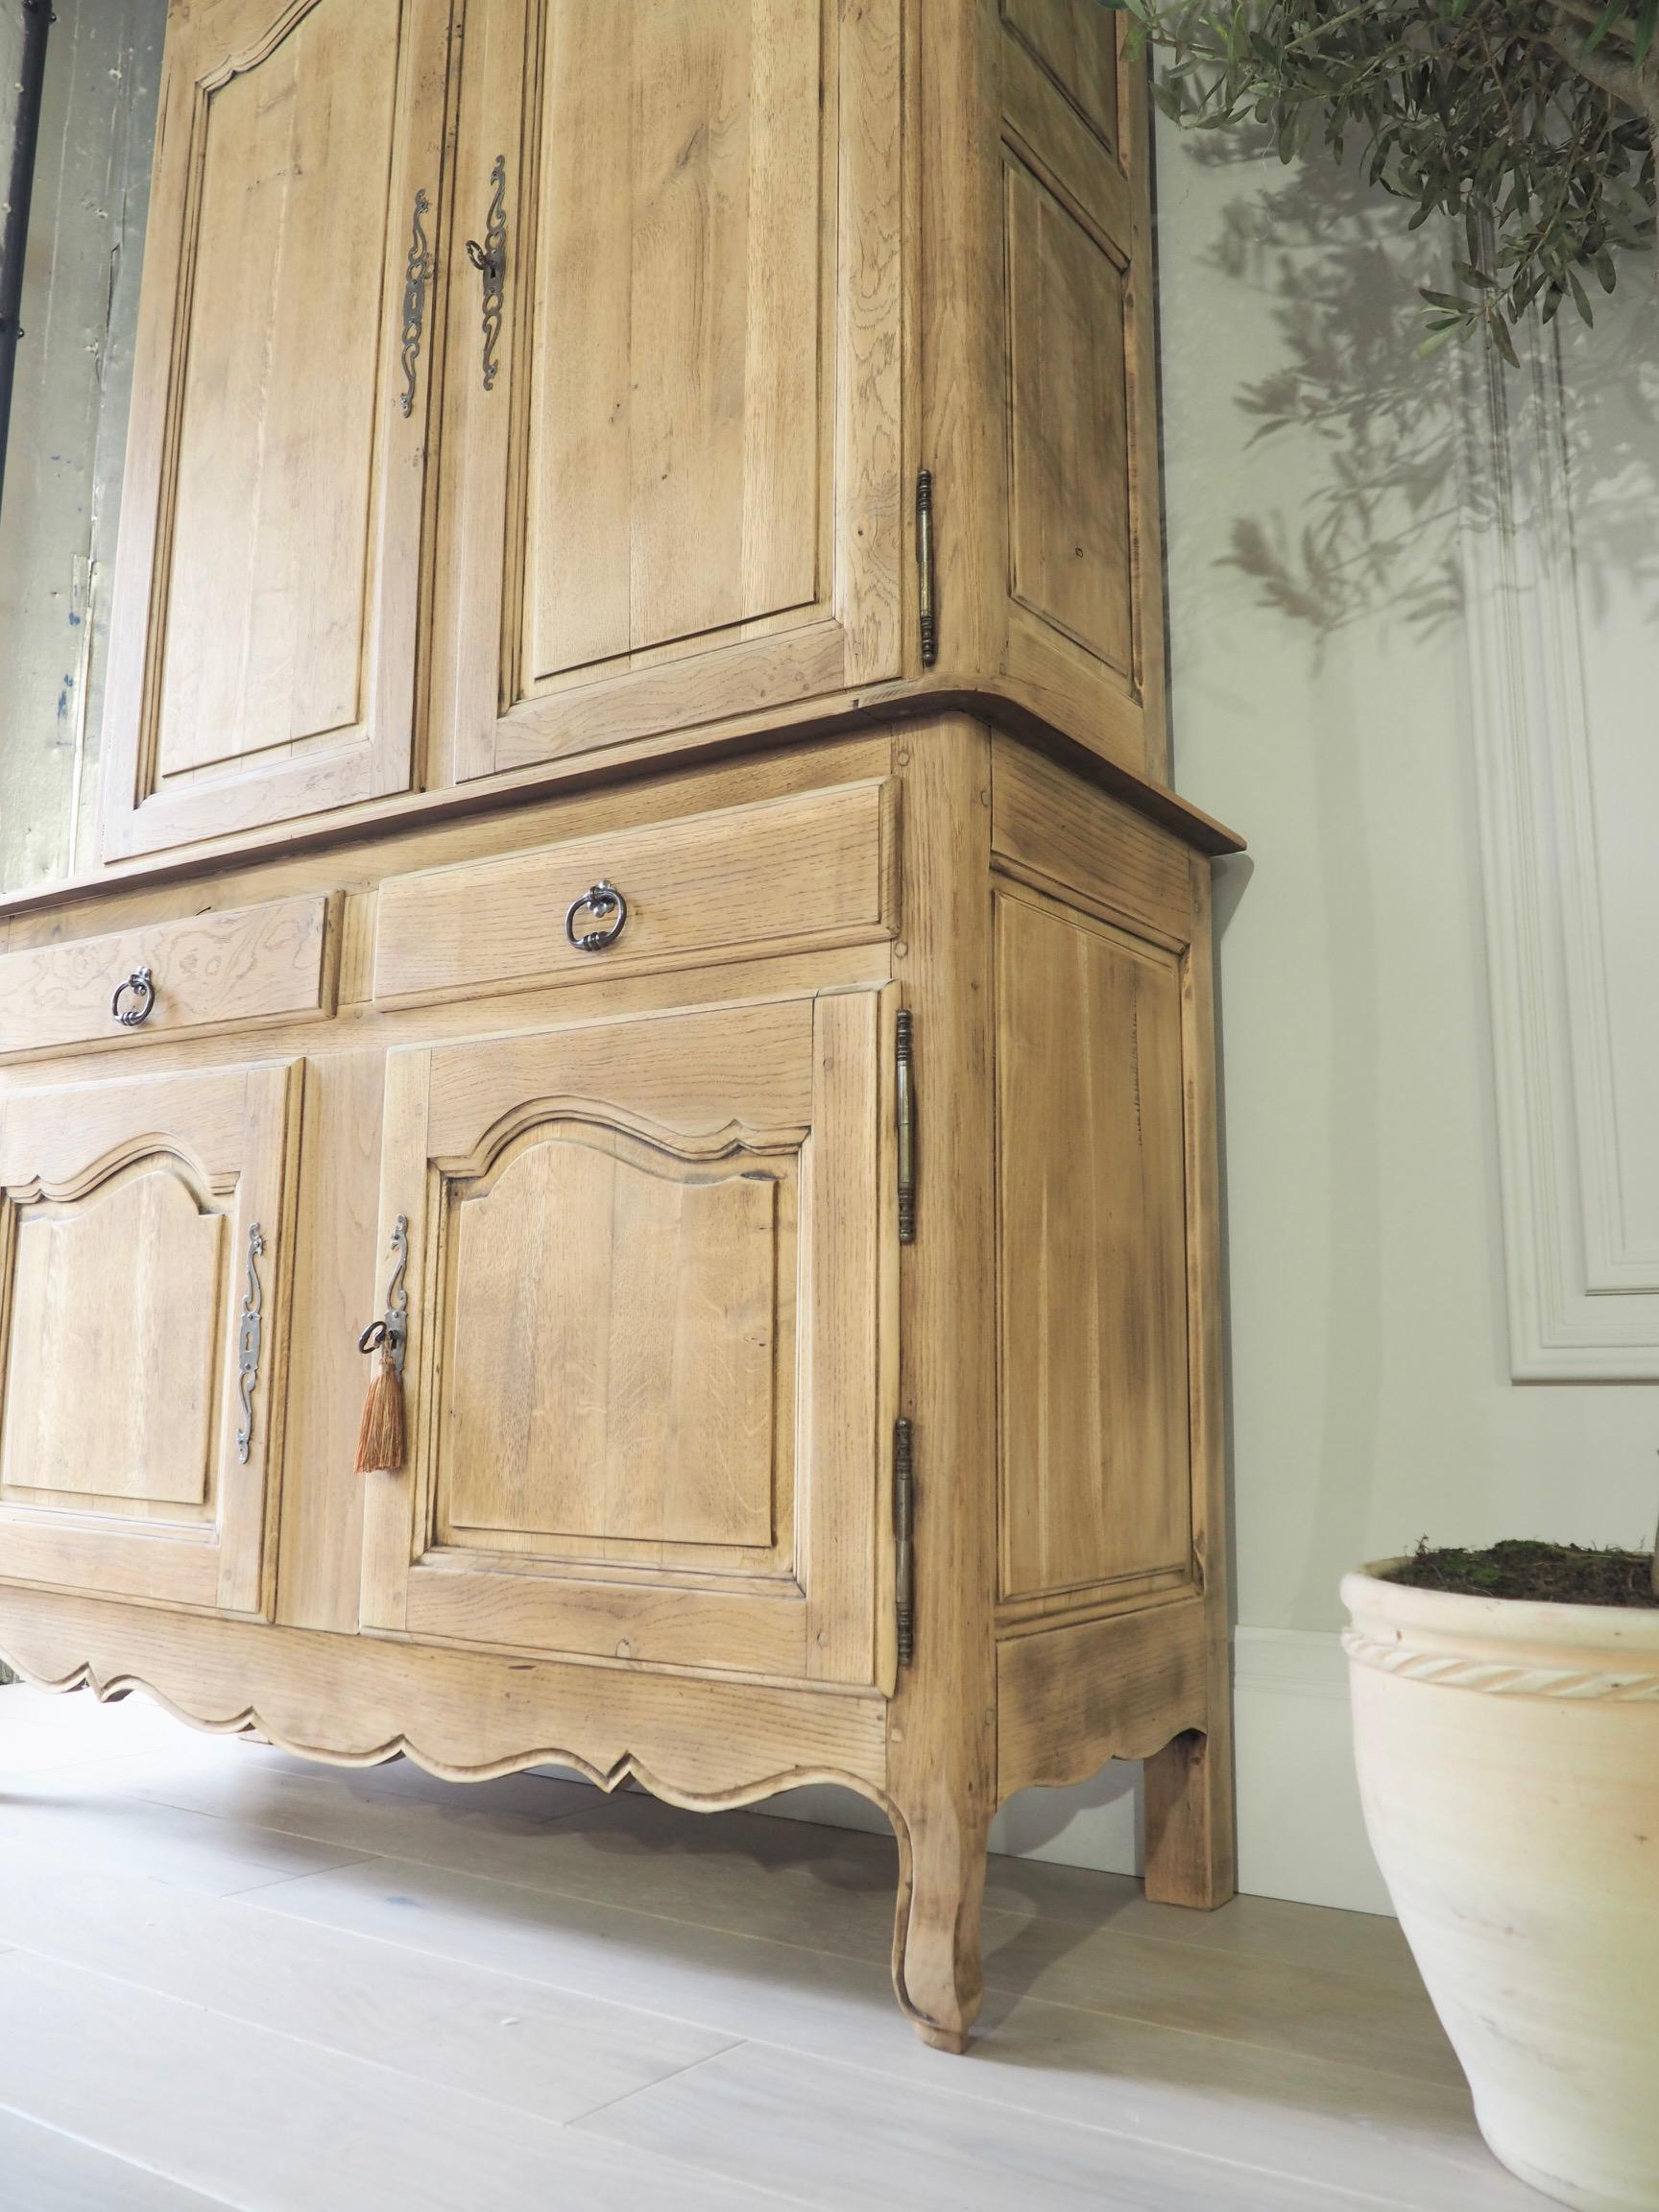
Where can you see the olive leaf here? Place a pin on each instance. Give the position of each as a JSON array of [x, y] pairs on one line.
[[1530, 123]]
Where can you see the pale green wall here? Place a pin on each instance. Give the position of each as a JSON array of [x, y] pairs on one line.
[[1321, 704]]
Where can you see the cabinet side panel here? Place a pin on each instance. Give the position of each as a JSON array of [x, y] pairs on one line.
[[1075, 41], [1067, 423], [1095, 1482], [1083, 640]]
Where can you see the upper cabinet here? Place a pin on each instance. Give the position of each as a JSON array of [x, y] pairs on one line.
[[672, 435], [267, 590], [528, 383]]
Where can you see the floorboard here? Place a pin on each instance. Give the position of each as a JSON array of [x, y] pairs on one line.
[[46, 2172], [228, 1978]]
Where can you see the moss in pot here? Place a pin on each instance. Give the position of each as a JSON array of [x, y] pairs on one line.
[[1506, 1735], [1547, 1574]]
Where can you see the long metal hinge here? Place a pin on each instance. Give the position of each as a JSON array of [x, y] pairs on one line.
[[904, 1087], [905, 1539], [926, 616]]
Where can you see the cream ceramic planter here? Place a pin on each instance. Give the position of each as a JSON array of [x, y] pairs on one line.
[[1508, 1759]]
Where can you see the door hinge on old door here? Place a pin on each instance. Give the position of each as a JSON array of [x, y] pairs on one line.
[[904, 1095], [926, 616], [905, 1539]]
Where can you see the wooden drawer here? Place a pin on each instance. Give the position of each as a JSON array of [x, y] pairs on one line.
[[245, 965], [815, 869]]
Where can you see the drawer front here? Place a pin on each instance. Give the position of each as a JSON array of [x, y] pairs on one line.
[[817, 869], [248, 963]]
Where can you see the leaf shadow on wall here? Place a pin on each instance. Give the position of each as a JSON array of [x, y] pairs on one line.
[[1376, 536]]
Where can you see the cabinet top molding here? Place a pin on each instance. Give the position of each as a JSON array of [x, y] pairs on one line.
[[428, 809]]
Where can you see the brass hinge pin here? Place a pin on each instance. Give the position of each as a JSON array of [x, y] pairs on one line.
[[904, 1539], [925, 614], [904, 1087]]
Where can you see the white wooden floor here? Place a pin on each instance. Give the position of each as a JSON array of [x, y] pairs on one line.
[[230, 1979]]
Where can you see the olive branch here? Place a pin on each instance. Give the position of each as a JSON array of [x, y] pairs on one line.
[[1530, 123]]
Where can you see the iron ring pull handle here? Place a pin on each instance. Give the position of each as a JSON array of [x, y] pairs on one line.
[[142, 985], [605, 905]]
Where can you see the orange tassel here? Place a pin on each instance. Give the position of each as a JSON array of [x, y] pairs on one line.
[[380, 1439]]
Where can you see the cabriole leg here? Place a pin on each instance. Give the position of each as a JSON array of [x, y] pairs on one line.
[[937, 1947]]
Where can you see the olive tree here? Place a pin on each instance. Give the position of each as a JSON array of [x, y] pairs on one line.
[[1530, 123]]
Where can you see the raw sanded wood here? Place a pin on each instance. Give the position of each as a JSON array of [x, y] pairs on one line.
[[1191, 1850], [1069, 507], [267, 589], [127, 1220], [1096, 1480], [238, 966], [644, 1366], [358, 1702], [815, 869], [692, 449], [1076, 43], [759, 265], [630, 590], [1070, 1699], [1064, 835]]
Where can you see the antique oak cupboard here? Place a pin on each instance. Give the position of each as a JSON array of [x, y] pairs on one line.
[[636, 852]]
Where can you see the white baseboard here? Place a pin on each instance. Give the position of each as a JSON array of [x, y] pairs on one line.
[[1300, 1834]]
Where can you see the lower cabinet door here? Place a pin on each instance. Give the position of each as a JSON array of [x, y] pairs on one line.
[[648, 1381], [144, 1229]]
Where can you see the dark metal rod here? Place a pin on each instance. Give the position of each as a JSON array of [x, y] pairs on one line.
[[31, 78]]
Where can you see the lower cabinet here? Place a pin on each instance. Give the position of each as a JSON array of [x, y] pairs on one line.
[[797, 1269], [649, 1274], [144, 1229]]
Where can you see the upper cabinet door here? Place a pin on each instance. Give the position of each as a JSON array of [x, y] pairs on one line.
[[267, 598], [672, 423]]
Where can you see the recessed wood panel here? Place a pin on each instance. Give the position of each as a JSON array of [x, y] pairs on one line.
[[1077, 42], [113, 1373], [675, 443], [1092, 1203], [271, 537], [649, 1368], [1069, 516], [613, 1332], [140, 1221]]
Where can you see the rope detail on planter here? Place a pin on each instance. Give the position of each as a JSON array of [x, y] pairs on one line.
[[1494, 1676]]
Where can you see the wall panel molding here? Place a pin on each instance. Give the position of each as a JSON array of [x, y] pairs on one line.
[[1583, 1286]]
